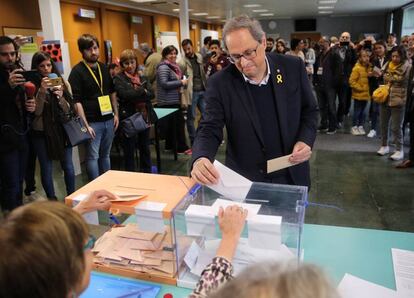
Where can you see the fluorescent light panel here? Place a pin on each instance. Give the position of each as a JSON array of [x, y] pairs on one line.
[[251, 5], [212, 17], [177, 9], [267, 14], [325, 7], [260, 10], [327, 1], [200, 14], [325, 11], [143, 1]]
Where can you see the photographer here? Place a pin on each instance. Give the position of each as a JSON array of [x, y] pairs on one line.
[[218, 60], [53, 102], [13, 125]]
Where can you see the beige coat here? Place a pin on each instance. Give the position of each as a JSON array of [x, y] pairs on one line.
[[398, 81], [150, 71], [187, 70]]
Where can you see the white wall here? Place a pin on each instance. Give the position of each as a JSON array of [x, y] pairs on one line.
[[332, 25]]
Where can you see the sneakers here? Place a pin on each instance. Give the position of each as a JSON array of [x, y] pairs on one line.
[[355, 131], [372, 133], [186, 152], [397, 155], [361, 130], [383, 150], [331, 132], [322, 128]]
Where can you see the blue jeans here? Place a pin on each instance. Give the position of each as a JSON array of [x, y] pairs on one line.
[[358, 118], [196, 101], [46, 167], [12, 172], [141, 140], [99, 148]]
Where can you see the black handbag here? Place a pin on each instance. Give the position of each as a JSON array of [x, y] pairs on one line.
[[134, 124], [76, 131]]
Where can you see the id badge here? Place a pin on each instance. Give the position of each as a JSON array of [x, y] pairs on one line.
[[320, 71], [105, 105]]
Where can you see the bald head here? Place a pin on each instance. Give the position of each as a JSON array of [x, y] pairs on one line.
[[345, 36]]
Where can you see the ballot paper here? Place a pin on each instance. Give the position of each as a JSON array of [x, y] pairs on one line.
[[252, 209], [131, 231], [191, 256], [279, 163], [200, 221], [124, 196], [403, 261], [231, 185], [149, 216], [265, 231], [354, 287], [90, 217]]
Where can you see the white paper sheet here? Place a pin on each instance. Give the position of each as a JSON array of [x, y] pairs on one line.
[[279, 163], [204, 258], [192, 254], [252, 209], [231, 184], [200, 221], [149, 216], [354, 287], [90, 217], [403, 261], [265, 231]]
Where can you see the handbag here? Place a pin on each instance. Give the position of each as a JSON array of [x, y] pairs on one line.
[[380, 94], [76, 131], [134, 124]]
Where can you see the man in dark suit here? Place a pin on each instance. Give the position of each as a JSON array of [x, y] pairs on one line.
[[266, 103]]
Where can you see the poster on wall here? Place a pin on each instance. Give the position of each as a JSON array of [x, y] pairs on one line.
[[205, 33], [26, 54], [53, 48], [169, 38]]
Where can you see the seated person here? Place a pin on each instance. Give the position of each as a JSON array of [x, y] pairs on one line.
[[269, 280]]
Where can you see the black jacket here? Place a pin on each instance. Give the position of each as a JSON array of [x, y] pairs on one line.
[[332, 70], [128, 97], [229, 103], [13, 121]]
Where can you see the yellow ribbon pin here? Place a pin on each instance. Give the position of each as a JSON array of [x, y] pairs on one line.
[[279, 79]]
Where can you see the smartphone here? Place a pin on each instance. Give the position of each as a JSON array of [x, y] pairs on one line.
[[31, 75], [344, 43], [367, 44], [55, 82]]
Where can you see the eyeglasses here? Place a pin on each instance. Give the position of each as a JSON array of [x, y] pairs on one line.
[[90, 243], [5, 54], [248, 54]]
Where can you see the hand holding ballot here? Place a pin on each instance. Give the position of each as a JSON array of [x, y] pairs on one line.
[[97, 200], [301, 153], [204, 172]]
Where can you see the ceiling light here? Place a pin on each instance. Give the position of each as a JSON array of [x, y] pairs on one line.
[[267, 14], [143, 1], [200, 14], [177, 9], [325, 7], [327, 1], [325, 11], [213, 17], [260, 10], [251, 5]]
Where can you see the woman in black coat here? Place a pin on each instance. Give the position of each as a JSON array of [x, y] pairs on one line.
[[135, 94]]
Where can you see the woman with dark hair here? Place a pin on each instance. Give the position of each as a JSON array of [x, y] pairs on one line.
[[396, 75], [296, 47], [135, 94], [281, 47], [170, 80], [53, 104]]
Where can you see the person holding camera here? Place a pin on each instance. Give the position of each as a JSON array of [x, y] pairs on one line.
[[135, 94], [53, 103], [16, 103], [218, 60]]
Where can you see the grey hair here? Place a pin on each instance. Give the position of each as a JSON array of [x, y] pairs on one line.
[[279, 280], [243, 22], [145, 48]]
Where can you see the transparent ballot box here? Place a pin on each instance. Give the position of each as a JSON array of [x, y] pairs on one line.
[[143, 246], [272, 232]]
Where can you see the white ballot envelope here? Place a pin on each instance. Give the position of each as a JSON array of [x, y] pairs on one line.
[[231, 185], [279, 163]]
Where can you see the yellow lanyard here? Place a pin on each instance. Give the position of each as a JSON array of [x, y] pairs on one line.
[[94, 77]]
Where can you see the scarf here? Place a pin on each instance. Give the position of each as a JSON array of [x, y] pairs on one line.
[[135, 80], [392, 67], [174, 67]]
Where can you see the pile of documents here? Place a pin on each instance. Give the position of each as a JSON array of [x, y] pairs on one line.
[[128, 247]]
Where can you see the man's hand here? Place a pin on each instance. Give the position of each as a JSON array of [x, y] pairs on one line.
[[204, 172], [30, 105], [116, 122], [16, 78], [98, 200], [301, 152], [91, 131]]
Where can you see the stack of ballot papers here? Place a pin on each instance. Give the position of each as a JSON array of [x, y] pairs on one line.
[[130, 248], [198, 258]]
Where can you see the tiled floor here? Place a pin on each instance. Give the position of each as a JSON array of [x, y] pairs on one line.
[[352, 185]]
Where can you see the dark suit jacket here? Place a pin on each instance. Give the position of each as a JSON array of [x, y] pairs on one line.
[[228, 104]]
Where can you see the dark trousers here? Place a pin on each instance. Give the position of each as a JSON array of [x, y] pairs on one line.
[[12, 172], [358, 118], [374, 114], [29, 179], [175, 121], [344, 100], [411, 119], [142, 141], [327, 106]]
